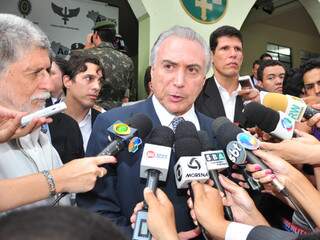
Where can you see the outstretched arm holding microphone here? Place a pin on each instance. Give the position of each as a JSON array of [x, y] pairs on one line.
[[296, 183]]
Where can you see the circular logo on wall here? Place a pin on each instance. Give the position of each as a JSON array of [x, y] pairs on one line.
[[205, 11], [24, 7]]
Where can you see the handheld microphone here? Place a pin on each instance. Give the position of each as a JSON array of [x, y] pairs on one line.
[[215, 160], [226, 132], [128, 133], [292, 106], [190, 166], [156, 156], [239, 145], [276, 123], [154, 167]]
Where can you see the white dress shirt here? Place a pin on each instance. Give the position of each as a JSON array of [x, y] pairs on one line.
[[238, 231], [228, 101], [166, 118], [86, 127]]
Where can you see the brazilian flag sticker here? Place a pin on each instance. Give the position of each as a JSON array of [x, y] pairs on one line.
[[205, 11]]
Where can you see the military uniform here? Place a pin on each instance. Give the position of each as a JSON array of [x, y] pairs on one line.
[[118, 69]]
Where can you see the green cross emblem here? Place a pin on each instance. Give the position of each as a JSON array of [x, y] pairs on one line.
[[204, 11]]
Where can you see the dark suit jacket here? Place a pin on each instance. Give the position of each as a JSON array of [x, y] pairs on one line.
[[65, 136], [94, 114], [116, 194], [268, 233], [209, 101]]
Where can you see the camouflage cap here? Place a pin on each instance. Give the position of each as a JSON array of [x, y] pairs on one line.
[[107, 24]]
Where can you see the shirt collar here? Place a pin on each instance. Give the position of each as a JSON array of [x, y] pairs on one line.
[[86, 119], [166, 118], [222, 89]]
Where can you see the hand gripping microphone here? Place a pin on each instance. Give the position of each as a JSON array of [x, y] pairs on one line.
[[154, 167], [292, 106], [190, 166], [277, 124], [129, 133], [216, 160], [239, 145]]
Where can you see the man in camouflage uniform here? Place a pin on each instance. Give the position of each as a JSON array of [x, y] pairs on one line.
[[118, 67]]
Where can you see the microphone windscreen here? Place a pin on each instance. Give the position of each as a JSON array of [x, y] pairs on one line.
[[140, 122], [161, 135], [186, 129], [276, 101], [205, 142], [255, 114], [187, 147], [225, 131]]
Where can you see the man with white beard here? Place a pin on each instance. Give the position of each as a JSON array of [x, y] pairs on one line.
[[29, 163]]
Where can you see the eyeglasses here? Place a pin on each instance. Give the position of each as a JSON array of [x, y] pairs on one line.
[[310, 86]]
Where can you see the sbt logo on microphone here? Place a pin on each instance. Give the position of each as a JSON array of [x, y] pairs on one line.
[[155, 157], [189, 169]]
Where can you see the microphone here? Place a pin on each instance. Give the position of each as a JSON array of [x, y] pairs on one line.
[[292, 106], [154, 167], [156, 156], [239, 145], [240, 150], [276, 123], [128, 133], [190, 166], [215, 160]]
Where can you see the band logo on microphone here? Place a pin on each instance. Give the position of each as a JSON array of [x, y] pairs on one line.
[[287, 124], [248, 141], [236, 153], [189, 169], [194, 164], [134, 144], [122, 130]]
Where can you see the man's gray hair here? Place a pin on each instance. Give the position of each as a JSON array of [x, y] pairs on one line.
[[18, 35], [186, 33]]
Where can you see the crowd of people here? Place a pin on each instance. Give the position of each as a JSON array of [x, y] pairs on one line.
[[57, 160]]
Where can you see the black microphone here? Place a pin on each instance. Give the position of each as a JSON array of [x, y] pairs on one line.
[[129, 133], [278, 124], [229, 133], [216, 160], [154, 166], [190, 166], [240, 149]]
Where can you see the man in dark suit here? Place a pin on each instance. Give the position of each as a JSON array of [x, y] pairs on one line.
[[82, 83], [222, 94], [180, 60], [64, 131]]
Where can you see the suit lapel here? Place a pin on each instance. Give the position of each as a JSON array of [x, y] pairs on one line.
[[149, 108], [213, 101]]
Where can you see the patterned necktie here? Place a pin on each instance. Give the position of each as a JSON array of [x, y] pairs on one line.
[[175, 122]]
